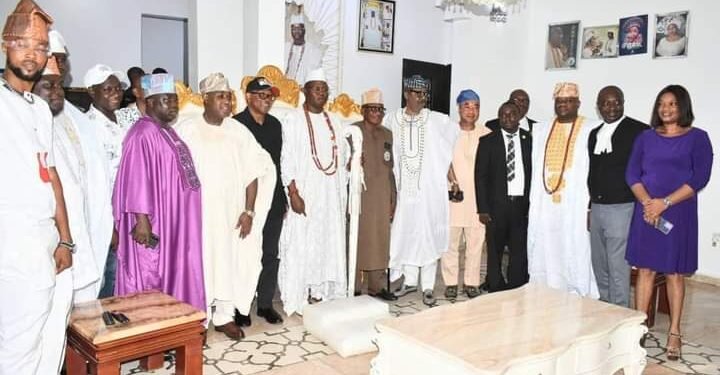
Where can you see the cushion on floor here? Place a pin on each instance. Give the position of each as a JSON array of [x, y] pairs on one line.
[[346, 325]]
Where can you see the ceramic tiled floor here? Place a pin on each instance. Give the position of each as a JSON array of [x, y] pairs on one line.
[[287, 349]]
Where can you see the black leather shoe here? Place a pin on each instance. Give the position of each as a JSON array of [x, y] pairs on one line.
[[484, 287], [270, 315], [385, 295], [242, 320]]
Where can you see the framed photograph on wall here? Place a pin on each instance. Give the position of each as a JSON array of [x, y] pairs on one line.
[[376, 26], [633, 35], [671, 34], [599, 42], [561, 49]]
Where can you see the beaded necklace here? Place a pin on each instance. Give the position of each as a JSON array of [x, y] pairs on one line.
[[570, 139], [332, 167], [290, 56], [411, 162]]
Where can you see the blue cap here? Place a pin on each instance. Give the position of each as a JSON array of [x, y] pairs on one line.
[[466, 95], [153, 84]]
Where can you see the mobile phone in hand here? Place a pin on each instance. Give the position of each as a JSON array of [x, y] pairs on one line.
[[154, 240], [663, 225]]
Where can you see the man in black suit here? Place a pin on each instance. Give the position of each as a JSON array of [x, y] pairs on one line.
[[522, 100], [502, 187], [611, 201]]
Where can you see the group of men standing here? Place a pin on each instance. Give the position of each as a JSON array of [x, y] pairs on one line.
[[215, 209]]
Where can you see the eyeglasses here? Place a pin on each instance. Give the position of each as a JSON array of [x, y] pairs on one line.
[[264, 96], [375, 109], [419, 93], [26, 45]]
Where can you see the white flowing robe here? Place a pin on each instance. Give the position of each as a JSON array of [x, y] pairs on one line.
[[227, 159], [70, 164], [99, 188], [558, 239], [312, 247], [420, 229]]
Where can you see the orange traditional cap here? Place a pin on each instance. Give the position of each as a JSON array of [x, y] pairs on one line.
[[51, 68], [566, 90], [28, 20]]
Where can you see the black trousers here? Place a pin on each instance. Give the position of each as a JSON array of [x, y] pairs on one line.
[[270, 262], [508, 227]]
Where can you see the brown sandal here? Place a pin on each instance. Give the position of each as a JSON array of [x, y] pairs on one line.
[[674, 352]]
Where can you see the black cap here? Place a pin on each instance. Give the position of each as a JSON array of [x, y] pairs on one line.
[[260, 83]]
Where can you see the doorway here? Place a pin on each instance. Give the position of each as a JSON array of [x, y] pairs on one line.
[[165, 45]]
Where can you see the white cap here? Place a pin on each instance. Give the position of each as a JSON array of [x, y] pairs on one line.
[[316, 75], [57, 42], [297, 19], [99, 74]]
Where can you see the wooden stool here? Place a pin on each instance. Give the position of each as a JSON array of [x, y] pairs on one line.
[[659, 300], [158, 323]]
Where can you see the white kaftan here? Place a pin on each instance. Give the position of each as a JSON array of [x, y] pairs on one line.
[[558, 238], [423, 152], [312, 247], [227, 159]]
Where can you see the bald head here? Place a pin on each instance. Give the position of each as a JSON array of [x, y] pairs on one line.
[[611, 103], [522, 100]]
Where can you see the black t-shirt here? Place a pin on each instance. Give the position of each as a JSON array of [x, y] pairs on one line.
[[269, 136]]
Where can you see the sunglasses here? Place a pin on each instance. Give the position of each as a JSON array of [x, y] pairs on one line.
[[375, 109], [264, 96]]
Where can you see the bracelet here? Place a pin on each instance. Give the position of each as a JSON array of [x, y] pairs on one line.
[[67, 245], [249, 213], [667, 202]]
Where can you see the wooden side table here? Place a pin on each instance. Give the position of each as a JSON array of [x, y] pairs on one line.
[[158, 323]]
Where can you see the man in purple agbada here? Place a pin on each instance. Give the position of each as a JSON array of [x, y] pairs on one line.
[[156, 204]]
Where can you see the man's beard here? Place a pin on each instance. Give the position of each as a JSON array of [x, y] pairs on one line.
[[18, 72]]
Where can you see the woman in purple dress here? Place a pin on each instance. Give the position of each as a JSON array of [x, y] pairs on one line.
[[669, 164]]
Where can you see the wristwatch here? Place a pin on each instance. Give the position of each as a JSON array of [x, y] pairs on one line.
[[68, 245], [249, 213], [667, 202]]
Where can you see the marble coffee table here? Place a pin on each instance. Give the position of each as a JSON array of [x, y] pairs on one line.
[[158, 323], [526, 331]]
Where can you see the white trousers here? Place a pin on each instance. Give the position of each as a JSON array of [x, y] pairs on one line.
[[53, 335], [23, 314], [427, 275], [224, 312], [88, 293]]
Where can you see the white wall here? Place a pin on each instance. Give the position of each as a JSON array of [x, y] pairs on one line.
[[219, 37], [495, 60], [420, 34], [164, 45], [103, 31]]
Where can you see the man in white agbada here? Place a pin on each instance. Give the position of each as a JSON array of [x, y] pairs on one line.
[[301, 57], [423, 148], [558, 238], [77, 138], [36, 246], [312, 244], [238, 178], [70, 165]]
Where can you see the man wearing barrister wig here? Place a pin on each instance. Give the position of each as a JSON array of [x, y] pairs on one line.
[[558, 239], [36, 242], [156, 204], [238, 178], [378, 198], [312, 244], [423, 149]]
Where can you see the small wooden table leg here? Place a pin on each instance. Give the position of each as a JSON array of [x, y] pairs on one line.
[[152, 362], [75, 364], [188, 359], [106, 368]]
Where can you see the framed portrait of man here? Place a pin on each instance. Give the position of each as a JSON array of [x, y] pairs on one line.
[[671, 34], [599, 42], [633, 35], [561, 49], [376, 26]]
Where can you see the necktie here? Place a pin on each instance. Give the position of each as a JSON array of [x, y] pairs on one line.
[[510, 160]]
